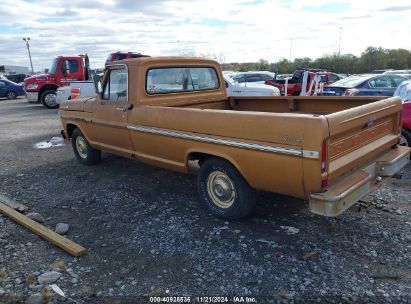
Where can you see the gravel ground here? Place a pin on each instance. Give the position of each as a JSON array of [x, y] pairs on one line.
[[147, 235]]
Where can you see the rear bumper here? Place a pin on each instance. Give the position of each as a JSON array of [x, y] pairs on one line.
[[32, 96], [346, 192]]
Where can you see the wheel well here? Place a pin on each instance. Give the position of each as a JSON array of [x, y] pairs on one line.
[[201, 157], [47, 87], [70, 129]]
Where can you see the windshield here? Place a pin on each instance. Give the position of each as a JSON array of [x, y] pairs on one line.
[[53, 67], [350, 81]]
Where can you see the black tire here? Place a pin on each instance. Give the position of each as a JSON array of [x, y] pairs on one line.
[[224, 191], [85, 153], [11, 95], [48, 100], [406, 138]]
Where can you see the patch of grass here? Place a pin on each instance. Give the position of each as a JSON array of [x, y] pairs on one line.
[[30, 279], [47, 294], [3, 273], [58, 265]]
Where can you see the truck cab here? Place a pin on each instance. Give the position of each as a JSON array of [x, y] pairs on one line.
[[42, 88]]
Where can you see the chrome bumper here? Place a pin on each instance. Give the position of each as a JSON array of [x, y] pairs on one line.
[[345, 193], [32, 96]]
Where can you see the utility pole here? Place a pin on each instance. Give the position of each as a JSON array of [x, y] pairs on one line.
[[28, 49], [339, 43], [291, 47]]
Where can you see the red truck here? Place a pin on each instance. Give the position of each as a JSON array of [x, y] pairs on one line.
[[42, 88], [123, 55], [294, 86]]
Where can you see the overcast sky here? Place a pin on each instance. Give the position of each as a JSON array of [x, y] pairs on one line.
[[231, 30]]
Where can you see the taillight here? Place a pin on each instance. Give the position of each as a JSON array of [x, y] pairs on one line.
[[350, 92], [324, 179], [75, 92]]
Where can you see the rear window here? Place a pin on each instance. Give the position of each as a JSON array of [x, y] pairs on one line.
[[181, 79], [118, 57]]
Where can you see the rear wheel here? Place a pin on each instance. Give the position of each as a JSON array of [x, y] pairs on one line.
[[11, 95], [49, 99], [224, 191], [405, 138], [85, 153]]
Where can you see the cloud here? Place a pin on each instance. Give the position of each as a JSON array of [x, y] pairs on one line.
[[396, 8], [241, 30]]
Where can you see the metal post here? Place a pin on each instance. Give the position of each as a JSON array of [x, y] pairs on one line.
[[28, 49], [339, 44]]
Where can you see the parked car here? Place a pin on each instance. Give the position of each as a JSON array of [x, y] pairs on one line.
[[403, 73], [17, 78], [404, 92], [406, 124], [123, 55], [364, 85], [235, 88], [10, 89], [257, 77], [151, 110], [294, 84]]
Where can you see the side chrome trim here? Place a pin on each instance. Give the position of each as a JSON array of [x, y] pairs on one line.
[[219, 141]]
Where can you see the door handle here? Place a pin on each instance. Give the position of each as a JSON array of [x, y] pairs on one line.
[[126, 108]]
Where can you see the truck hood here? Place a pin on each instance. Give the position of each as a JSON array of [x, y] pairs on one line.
[[35, 78]]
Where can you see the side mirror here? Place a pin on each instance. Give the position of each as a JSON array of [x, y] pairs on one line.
[[98, 87]]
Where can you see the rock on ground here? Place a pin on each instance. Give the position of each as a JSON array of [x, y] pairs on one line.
[[49, 277], [35, 217], [62, 228]]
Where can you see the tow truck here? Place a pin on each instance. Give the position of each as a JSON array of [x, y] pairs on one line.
[[64, 69]]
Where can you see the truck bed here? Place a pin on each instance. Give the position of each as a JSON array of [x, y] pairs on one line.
[[282, 104], [295, 123]]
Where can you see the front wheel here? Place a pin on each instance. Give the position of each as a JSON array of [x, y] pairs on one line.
[[224, 191], [11, 95], [85, 153], [49, 99]]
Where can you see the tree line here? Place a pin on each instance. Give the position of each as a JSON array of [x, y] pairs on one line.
[[371, 59]]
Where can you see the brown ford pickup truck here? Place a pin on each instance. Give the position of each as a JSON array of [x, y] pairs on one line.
[[166, 111]]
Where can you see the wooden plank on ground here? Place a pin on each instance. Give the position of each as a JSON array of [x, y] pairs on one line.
[[53, 237], [12, 204]]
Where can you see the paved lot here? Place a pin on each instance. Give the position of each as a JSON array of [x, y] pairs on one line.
[[146, 233]]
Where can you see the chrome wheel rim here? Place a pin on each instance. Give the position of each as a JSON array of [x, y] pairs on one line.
[[81, 146], [11, 95], [221, 189], [50, 100], [404, 141]]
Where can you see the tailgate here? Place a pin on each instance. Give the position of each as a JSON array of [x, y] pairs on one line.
[[359, 134]]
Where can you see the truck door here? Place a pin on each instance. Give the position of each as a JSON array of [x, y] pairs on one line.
[[110, 119], [71, 69]]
